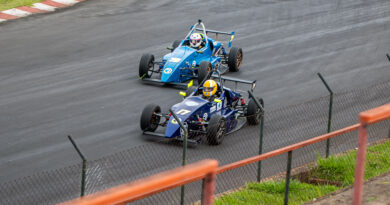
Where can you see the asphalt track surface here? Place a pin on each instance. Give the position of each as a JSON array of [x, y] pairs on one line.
[[76, 71]]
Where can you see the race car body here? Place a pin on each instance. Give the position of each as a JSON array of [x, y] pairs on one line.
[[210, 117], [185, 62]]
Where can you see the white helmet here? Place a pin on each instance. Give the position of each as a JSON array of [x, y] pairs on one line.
[[195, 40]]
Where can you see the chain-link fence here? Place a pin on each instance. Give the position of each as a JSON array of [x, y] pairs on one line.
[[282, 127]]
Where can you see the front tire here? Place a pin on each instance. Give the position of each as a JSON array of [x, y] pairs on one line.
[[146, 65], [253, 113], [216, 130], [149, 119], [235, 59], [204, 68]]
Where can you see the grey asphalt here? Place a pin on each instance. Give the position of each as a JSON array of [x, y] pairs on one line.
[[75, 72]]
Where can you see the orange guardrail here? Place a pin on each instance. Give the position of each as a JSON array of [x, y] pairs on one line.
[[375, 115], [157, 183], [366, 118], [286, 149]]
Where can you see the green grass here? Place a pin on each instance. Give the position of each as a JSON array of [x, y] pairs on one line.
[[335, 168], [9, 4], [273, 193], [342, 168]]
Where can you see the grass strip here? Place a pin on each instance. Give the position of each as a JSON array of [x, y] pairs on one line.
[[342, 168], [272, 192], [9, 4], [339, 168]]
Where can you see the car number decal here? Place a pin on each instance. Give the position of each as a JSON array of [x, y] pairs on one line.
[[183, 112], [219, 106]]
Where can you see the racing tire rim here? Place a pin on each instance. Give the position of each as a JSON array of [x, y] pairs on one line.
[[150, 68], [154, 118], [221, 130], [239, 59]]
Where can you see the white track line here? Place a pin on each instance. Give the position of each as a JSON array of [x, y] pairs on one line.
[[66, 2], [16, 12], [43, 7]]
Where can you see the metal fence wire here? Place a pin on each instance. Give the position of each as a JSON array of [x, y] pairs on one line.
[[282, 127]]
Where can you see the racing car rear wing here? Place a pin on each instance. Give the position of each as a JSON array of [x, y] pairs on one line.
[[223, 79], [219, 32], [216, 32], [236, 81]]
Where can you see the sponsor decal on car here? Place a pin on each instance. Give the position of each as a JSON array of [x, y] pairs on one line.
[[191, 103], [174, 121], [168, 70], [205, 115], [175, 60]]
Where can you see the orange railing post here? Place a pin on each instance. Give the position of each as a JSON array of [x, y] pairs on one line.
[[125, 193], [366, 118], [209, 188]]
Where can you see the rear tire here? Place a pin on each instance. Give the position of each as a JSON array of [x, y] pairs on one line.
[[216, 130], [204, 68], [149, 119], [175, 44], [146, 65], [253, 112], [235, 59]]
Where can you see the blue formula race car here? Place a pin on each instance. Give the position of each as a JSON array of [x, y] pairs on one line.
[[204, 117], [192, 58]]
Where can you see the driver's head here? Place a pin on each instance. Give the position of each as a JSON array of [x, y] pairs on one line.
[[209, 88], [195, 40]]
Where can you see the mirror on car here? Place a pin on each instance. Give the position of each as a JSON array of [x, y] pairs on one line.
[[182, 93], [170, 48]]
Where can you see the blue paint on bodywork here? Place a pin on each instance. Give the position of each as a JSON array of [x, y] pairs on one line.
[[194, 107], [181, 65]]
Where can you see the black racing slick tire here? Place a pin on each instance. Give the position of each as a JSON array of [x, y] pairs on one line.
[[175, 44], [204, 68], [146, 65], [235, 59], [253, 113], [216, 130], [190, 90], [149, 119]]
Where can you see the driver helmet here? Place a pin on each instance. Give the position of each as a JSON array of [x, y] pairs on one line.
[[209, 88], [195, 40]]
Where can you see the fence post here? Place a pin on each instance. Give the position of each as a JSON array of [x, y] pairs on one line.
[[330, 112], [84, 168], [389, 133], [261, 133], [359, 169], [288, 174], [184, 160], [208, 189]]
